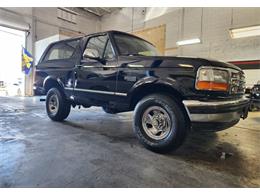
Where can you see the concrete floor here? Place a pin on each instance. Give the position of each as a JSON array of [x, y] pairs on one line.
[[95, 149]]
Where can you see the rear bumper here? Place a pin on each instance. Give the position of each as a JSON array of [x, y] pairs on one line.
[[217, 111], [38, 90]]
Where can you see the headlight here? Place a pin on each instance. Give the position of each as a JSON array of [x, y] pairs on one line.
[[212, 79]]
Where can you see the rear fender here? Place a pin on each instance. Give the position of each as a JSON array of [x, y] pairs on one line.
[[50, 81]]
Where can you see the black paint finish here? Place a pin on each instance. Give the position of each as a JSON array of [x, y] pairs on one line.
[[118, 82]]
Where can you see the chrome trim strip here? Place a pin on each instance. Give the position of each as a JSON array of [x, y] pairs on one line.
[[121, 94], [97, 91], [88, 66], [110, 66], [106, 66], [135, 66]]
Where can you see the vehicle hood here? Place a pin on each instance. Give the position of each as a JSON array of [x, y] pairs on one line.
[[171, 61]]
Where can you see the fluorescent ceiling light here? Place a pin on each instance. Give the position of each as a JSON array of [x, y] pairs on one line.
[[245, 32], [188, 42]]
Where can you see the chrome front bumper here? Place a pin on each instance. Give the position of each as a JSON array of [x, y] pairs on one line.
[[217, 111]]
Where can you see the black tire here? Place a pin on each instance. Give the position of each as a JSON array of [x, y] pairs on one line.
[[180, 124], [63, 105]]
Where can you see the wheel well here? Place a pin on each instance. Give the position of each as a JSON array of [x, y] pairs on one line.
[[151, 89], [50, 83], [158, 88]]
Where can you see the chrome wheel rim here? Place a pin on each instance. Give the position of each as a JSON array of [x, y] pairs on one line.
[[156, 122], [53, 104]]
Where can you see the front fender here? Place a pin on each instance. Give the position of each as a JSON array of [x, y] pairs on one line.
[[156, 84], [170, 82]]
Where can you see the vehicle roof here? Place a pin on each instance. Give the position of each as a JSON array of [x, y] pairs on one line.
[[99, 33], [115, 32]]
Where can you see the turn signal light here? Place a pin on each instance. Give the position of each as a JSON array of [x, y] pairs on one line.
[[212, 79], [211, 86]]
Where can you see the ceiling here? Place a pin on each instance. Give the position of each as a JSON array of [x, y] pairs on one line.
[[101, 11], [97, 11]]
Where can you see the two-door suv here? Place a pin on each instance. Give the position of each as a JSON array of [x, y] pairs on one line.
[[121, 72]]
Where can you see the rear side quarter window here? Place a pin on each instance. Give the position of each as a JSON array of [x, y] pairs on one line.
[[61, 51]]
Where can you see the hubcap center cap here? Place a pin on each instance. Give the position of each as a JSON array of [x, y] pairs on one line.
[[53, 104], [156, 122]]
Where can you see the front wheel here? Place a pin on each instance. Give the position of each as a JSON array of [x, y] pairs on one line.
[[160, 123], [57, 106]]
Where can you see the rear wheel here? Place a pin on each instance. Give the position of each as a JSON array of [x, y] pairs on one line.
[[160, 123], [57, 106]]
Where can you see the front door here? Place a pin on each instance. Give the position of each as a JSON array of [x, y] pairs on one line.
[[95, 77]]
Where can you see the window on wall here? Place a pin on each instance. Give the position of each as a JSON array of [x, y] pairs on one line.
[[62, 50], [67, 15]]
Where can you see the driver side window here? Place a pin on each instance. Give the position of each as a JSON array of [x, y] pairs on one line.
[[96, 45]]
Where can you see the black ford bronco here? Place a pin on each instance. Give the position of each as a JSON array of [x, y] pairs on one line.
[[121, 72]]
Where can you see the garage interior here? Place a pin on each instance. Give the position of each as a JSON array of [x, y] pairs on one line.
[[95, 149]]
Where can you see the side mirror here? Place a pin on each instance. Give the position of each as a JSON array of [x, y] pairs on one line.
[[91, 54], [94, 55]]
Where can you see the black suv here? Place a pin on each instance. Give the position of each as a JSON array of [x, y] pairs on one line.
[[121, 72]]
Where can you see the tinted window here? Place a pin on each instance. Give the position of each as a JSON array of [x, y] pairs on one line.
[[62, 50], [97, 43], [130, 45]]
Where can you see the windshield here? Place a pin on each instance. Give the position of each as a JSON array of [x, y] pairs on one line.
[[129, 45]]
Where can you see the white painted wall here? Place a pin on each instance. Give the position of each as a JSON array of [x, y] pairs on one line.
[[47, 23], [252, 77], [186, 23], [216, 41]]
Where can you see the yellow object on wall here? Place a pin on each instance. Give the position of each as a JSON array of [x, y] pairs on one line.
[[155, 35]]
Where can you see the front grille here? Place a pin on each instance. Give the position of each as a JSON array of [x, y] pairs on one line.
[[237, 82]]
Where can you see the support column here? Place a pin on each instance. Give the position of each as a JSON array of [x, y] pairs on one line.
[[30, 40]]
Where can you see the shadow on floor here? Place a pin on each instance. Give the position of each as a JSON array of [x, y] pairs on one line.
[[114, 135]]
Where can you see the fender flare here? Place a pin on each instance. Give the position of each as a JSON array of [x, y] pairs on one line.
[[54, 79], [149, 81]]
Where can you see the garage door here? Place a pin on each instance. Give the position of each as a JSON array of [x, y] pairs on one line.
[[11, 76]]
